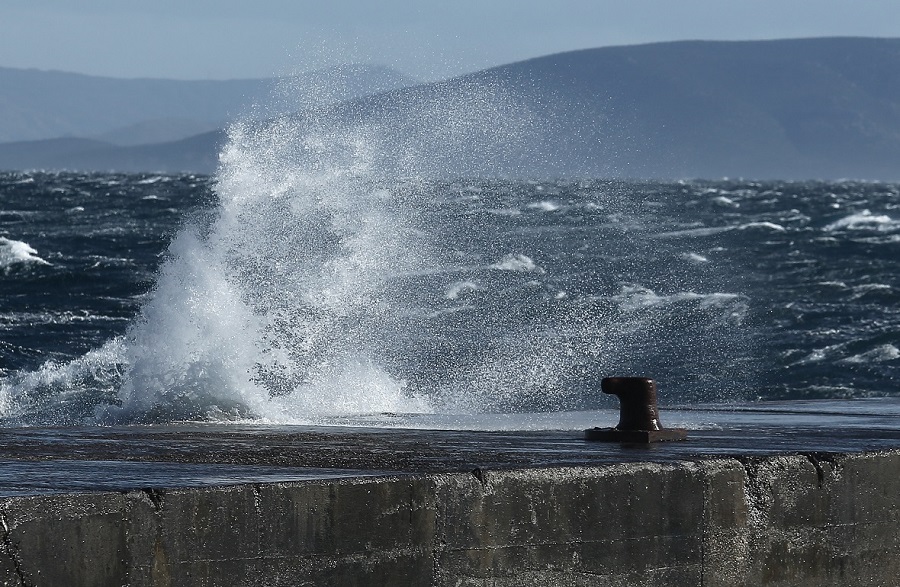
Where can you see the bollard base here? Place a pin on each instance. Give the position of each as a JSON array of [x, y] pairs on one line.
[[635, 436]]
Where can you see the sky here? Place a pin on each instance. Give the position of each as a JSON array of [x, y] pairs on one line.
[[227, 39]]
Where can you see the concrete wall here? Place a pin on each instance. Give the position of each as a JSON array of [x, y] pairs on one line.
[[790, 520]]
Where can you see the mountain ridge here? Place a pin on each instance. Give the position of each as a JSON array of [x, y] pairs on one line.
[[823, 108], [39, 104]]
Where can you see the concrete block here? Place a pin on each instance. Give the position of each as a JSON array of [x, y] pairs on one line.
[[399, 567], [798, 520], [568, 505], [726, 544], [618, 521], [146, 557], [867, 489], [724, 504], [9, 574], [76, 539], [192, 536], [688, 575], [213, 524], [822, 520], [345, 517]]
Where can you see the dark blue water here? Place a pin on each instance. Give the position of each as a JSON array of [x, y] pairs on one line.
[[143, 298]]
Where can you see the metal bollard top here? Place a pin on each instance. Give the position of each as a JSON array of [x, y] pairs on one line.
[[637, 402], [638, 413]]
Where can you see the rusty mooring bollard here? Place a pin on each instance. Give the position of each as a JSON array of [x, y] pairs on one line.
[[638, 413]]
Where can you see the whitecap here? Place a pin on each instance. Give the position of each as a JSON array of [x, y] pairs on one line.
[[636, 297], [861, 290], [460, 288], [816, 356], [90, 375], [880, 354], [519, 263], [13, 252], [545, 206], [695, 232], [864, 220], [767, 225], [694, 258], [723, 201], [151, 180], [887, 240]]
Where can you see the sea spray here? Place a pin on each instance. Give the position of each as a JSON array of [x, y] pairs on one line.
[[352, 266], [283, 307], [274, 310], [279, 304]]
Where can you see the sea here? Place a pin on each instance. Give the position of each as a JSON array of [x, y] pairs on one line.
[[311, 289]]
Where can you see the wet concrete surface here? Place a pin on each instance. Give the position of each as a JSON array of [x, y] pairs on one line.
[[60, 460]]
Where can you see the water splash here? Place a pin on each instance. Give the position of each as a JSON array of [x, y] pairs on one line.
[[14, 253], [273, 310], [282, 305], [329, 281]]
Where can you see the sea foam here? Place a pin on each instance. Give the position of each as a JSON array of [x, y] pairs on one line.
[[13, 252], [864, 220]]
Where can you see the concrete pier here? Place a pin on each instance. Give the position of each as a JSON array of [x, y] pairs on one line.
[[752, 501]]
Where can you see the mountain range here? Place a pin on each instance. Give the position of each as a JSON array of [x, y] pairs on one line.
[[51, 104], [824, 108]]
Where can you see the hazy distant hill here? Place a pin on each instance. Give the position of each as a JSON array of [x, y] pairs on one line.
[[160, 130], [791, 109], [50, 104], [810, 108]]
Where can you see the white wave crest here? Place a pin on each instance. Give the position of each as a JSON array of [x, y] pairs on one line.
[[519, 263], [636, 297], [879, 354], [545, 206], [460, 288], [765, 225], [78, 384], [725, 201], [714, 230], [864, 220], [14, 252], [695, 258]]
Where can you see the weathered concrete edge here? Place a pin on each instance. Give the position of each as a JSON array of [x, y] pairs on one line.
[[803, 519]]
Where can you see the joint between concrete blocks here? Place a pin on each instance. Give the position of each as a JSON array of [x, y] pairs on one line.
[[256, 489], [816, 459], [479, 475], [12, 551], [156, 498], [758, 494]]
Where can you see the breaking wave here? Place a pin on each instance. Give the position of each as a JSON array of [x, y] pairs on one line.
[[13, 252]]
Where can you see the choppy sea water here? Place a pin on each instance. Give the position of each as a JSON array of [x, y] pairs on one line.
[[148, 298]]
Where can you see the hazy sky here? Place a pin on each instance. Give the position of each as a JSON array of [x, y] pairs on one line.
[[219, 39]]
